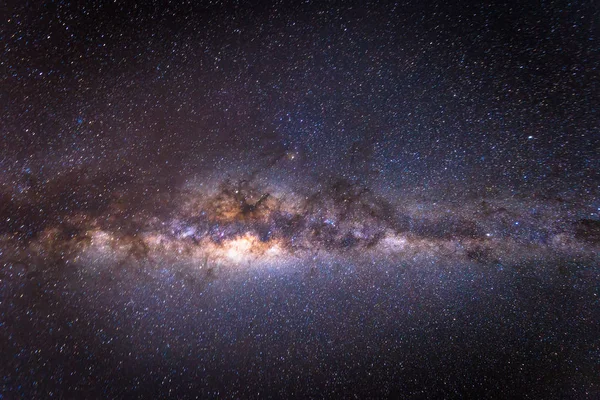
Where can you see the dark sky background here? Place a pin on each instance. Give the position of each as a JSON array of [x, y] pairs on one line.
[[427, 95], [299, 199]]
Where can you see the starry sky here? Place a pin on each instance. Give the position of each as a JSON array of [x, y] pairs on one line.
[[299, 199]]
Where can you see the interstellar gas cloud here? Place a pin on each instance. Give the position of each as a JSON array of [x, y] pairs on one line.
[[332, 200]]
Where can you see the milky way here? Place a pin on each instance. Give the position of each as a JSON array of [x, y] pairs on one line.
[[302, 200], [236, 225]]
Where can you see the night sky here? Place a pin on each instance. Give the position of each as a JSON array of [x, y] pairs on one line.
[[299, 199]]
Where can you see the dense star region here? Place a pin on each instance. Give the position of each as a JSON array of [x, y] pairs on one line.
[[299, 200]]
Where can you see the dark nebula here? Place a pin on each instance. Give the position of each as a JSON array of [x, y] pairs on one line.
[[299, 200]]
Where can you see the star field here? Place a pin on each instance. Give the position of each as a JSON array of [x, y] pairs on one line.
[[299, 199]]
